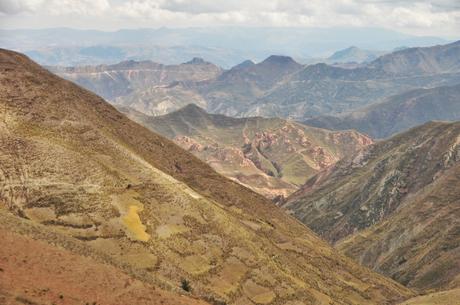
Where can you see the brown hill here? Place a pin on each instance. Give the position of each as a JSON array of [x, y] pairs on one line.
[[72, 163], [394, 207], [271, 156]]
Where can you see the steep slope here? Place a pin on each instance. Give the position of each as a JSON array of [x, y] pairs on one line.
[[74, 165], [118, 80], [271, 156], [398, 113], [394, 207]]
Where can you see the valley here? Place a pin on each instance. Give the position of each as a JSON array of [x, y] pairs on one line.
[[273, 157], [99, 185], [228, 165]]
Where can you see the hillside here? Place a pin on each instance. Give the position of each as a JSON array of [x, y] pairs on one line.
[[394, 207], [398, 113], [449, 297], [160, 100], [35, 272], [78, 170], [124, 78], [271, 156]]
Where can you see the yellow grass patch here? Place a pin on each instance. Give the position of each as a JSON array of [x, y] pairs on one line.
[[133, 223]]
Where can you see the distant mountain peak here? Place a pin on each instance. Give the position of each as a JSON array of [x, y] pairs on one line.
[[192, 107], [354, 54], [196, 61], [280, 59], [192, 111], [351, 48], [244, 64]]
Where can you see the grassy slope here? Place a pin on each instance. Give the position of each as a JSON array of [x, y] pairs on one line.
[[73, 163], [449, 297]]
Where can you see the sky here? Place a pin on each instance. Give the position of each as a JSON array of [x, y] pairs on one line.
[[435, 18]]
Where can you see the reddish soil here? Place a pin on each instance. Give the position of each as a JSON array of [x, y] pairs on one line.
[[34, 272]]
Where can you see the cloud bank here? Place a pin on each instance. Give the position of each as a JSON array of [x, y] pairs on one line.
[[439, 17]]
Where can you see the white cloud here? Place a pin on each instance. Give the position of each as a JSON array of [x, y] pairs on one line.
[[54, 7], [441, 17], [80, 7], [18, 6]]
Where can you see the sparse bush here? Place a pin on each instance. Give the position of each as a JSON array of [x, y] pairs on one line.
[[185, 285]]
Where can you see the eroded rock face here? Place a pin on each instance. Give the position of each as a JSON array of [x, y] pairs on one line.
[[271, 156]]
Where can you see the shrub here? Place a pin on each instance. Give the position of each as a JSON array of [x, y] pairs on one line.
[[185, 285]]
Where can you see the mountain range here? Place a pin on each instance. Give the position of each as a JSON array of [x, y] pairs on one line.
[[224, 45], [82, 187], [280, 87], [323, 89], [271, 156], [393, 206], [398, 113]]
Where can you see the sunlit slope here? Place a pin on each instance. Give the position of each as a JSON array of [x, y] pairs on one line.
[[71, 162]]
